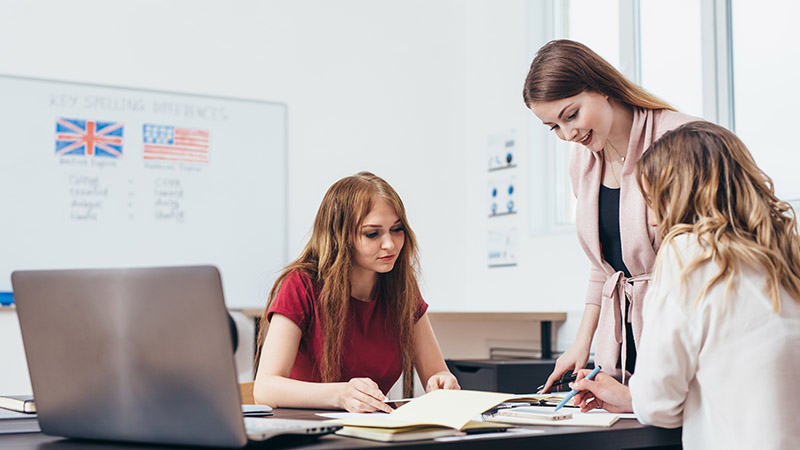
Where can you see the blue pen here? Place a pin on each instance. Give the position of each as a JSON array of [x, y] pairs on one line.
[[575, 391]]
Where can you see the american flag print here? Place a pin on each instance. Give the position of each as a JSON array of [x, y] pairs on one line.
[[170, 143], [88, 138]]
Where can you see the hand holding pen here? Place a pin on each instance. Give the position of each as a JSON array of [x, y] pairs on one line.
[[574, 391], [558, 385], [603, 391], [574, 359]]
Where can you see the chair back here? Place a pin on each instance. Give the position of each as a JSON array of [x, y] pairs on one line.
[[246, 392]]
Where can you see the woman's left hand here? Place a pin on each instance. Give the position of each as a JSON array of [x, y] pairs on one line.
[[442, 380]]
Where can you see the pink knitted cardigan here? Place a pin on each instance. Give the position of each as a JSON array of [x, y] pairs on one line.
[[639, 240]]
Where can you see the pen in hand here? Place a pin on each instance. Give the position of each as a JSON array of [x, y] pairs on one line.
[[565, 380], [572, 393]]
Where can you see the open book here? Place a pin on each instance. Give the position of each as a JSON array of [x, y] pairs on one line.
[[551, 399], [438, 413]]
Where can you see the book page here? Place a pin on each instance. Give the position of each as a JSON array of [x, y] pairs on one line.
[[453, 409]]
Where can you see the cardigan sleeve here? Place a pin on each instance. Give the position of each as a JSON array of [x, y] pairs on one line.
[[594, 291], [597, 276]]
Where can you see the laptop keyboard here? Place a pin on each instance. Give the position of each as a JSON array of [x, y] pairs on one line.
[[264, 428]]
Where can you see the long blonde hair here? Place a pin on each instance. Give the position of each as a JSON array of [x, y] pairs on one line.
[[327, 260], [564, 68], [700, 179]]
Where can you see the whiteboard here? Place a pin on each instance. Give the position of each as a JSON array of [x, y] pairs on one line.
[[101, 176]]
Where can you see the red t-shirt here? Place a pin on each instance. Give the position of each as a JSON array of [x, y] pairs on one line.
[[372, 348]]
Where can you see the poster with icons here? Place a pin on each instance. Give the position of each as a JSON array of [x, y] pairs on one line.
[[502, 153], [502, 194], [503, 246]]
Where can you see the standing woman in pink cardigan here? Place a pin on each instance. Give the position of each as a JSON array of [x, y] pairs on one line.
[[584, 99]]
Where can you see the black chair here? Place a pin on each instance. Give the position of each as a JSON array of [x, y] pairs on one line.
[[234, 332]]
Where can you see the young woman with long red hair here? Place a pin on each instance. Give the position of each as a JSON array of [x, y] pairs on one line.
[[346, 318]]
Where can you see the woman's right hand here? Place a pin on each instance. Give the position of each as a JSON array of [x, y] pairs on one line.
[[574, 359], [362, 395], [603, 392]]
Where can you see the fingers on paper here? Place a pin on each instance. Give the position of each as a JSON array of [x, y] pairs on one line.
[[364, 395], [442, 380]]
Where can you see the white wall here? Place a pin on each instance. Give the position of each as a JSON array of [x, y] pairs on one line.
[[13, 368], [407, 90]]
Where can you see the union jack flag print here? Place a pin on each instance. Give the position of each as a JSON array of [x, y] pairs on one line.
[[88, 137], [169, 143]]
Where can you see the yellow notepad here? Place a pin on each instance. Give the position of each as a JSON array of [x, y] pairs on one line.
[[416, 432]]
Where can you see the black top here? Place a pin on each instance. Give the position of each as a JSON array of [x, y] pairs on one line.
[[610, 242], [611, 246]]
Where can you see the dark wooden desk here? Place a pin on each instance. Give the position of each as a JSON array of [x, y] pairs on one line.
[[625, 434]]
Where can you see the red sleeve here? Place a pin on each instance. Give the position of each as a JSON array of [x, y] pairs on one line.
[[295, 300], [423, 307]]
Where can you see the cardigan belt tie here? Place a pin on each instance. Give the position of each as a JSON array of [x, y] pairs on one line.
[[616, 288]]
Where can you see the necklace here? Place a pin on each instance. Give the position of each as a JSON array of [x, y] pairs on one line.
[[609, 163], [621, 158]]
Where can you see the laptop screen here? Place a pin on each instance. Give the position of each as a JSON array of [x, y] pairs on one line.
[[139, 354]]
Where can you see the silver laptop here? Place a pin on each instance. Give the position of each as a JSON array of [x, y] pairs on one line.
[[141, 355]]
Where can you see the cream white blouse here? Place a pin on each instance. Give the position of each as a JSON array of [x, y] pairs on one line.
[[727, 369]]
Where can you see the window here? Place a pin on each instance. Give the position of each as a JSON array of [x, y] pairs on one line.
[[766, 98], [671, 62], [595, 24], [718, 60]]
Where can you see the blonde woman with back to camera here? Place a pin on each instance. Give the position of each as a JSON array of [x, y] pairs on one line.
[[720, 350]]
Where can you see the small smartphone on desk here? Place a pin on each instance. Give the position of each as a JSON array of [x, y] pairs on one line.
[[516, 412], [397, 402], [256, 410]]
